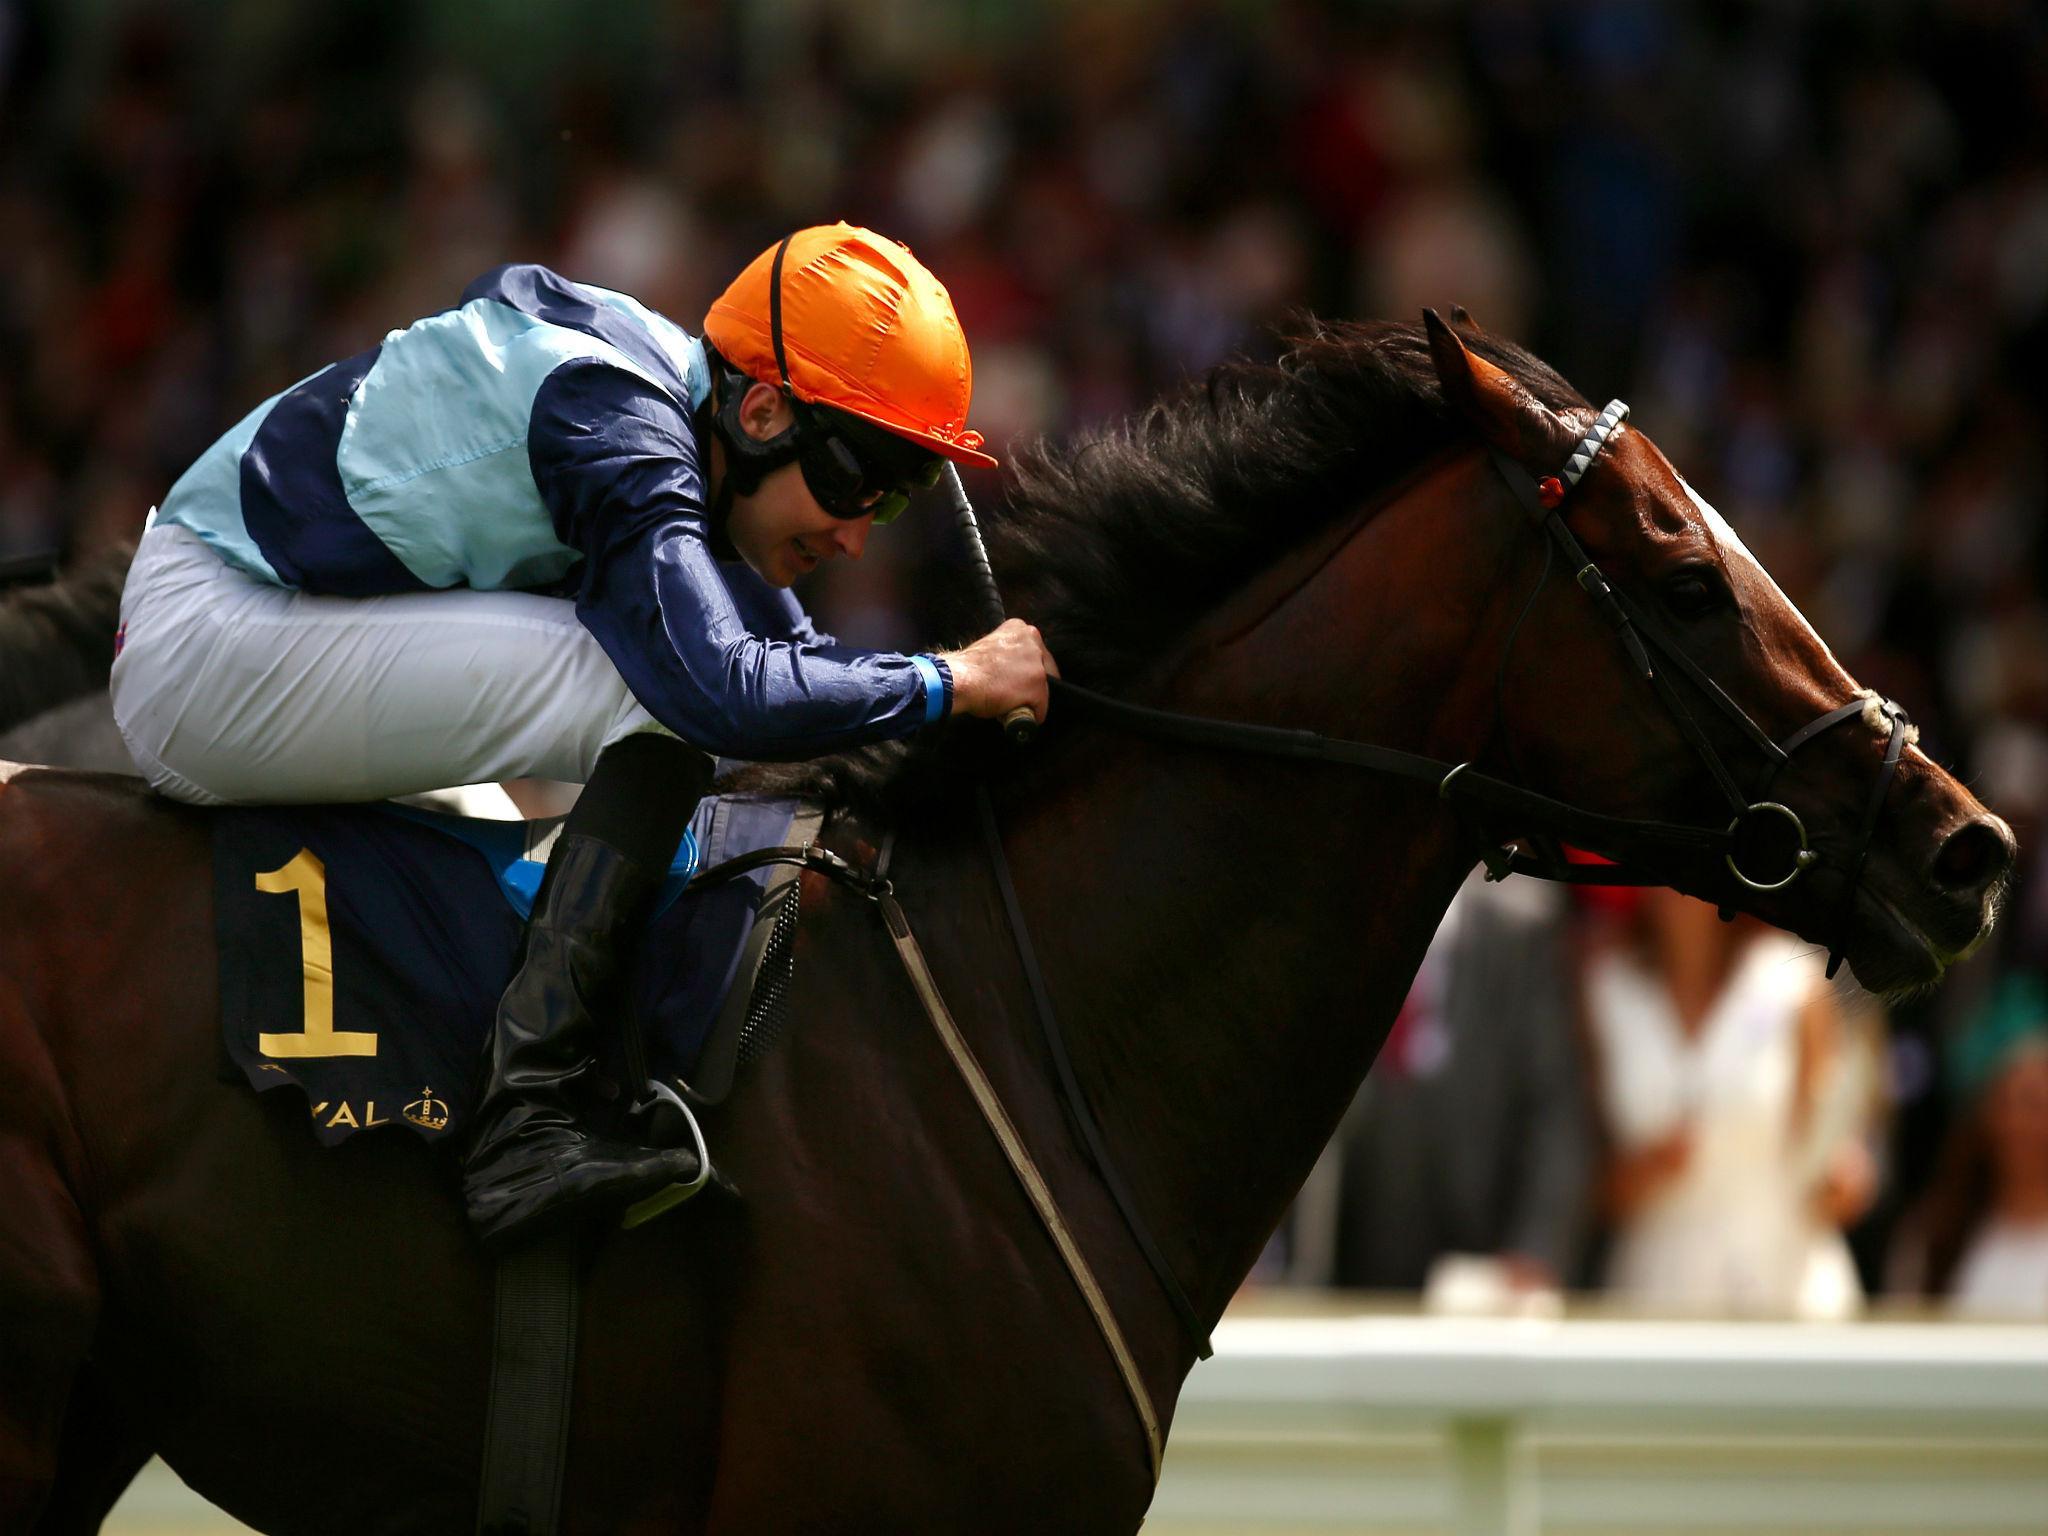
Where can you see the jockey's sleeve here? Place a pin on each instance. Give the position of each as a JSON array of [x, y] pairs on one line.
[[771, 612], [616, 463]]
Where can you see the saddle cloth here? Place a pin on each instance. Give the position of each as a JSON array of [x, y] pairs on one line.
[[363, 950]]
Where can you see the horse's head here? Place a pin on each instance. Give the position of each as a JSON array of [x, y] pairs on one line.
[[1867, 846]]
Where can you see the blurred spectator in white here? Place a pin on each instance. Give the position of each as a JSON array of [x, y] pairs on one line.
[[1467, 1154], [1734, 1108], [1978, 1241]]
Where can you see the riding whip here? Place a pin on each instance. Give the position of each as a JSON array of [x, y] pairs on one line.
[[1019, 725]]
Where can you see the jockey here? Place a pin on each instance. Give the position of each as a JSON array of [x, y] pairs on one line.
[[548, 533]]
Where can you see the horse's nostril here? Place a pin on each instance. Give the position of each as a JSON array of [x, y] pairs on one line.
[[1974, 857]]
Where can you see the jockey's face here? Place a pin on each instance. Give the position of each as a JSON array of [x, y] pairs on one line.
[[780, 530]]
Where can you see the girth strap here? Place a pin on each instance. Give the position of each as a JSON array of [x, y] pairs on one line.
[[533, 1374]]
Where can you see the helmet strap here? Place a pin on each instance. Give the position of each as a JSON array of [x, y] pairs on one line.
[[775, 312], [798, 409], [748, 460]]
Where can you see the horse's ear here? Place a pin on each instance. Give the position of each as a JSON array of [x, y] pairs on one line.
[[1506, 415], [1462, 317]]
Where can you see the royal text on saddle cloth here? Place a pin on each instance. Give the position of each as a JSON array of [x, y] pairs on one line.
[[533, 445]]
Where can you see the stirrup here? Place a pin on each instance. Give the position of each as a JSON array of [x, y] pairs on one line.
[[646, 1209]]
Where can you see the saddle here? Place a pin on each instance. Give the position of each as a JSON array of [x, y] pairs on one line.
[[363, 949]]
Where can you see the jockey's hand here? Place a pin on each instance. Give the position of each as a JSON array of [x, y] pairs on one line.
[[1004, 670]]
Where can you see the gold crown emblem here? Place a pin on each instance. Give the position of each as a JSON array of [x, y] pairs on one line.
[[427, 1111]]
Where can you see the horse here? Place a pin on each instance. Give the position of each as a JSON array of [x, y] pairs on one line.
[[879, 1335]]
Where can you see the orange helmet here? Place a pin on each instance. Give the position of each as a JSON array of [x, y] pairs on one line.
[[846, 318]]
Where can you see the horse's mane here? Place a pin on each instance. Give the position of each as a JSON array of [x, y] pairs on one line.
[[1115, 543]]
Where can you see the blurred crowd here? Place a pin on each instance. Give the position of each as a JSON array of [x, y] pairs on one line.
[[1807, 241], [1616, 1092]]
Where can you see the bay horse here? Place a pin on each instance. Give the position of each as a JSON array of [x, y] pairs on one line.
[[880, 1335]]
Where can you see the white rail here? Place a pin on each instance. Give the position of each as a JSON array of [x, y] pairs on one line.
[[1507, 1427], [1494, 1427]]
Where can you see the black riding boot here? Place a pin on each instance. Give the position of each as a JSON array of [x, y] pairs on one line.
[[531, 1165]]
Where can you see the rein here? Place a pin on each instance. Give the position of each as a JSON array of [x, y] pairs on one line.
[[1466, 789], [1548, 820], [877, 887]]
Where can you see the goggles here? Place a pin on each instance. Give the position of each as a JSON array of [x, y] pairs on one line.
[[852, 469]]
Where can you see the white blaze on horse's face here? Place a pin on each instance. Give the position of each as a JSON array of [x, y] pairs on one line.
[[1734, 551], [1731, 546]]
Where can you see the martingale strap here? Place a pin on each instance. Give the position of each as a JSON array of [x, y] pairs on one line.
[[877, 887], [1019, 1158], [1070, 1087]]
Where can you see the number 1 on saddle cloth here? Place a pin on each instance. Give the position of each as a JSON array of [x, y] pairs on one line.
[[363, 950]]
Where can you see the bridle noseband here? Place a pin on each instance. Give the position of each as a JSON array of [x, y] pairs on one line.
[[1547, 823], [1639, 633], [1656, 657]]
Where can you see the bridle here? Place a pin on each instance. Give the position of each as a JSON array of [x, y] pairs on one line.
[[852, 468], [1756, 822], [1634, 626], [1542, 821]]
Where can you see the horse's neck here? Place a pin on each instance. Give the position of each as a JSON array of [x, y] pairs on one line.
[[1228, 938]]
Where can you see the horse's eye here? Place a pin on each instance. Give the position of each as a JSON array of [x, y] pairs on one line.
[[1694, 593]]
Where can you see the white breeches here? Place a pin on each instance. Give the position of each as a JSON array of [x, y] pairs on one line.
[[229, 689]]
